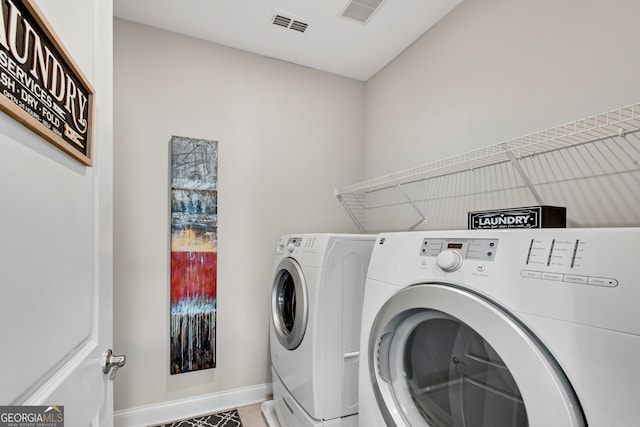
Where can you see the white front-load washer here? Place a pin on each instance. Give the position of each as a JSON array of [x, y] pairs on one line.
[[502, 328], [316, 309]]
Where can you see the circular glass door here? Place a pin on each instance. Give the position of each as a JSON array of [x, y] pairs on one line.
[[289, 304], [443, 356]]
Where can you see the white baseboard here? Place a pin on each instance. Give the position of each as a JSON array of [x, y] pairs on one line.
[[146, 415]]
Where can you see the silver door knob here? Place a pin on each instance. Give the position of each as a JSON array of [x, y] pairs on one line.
[[112, 363]]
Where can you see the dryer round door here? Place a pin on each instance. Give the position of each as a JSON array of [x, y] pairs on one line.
[[444, 356], [289, 304]]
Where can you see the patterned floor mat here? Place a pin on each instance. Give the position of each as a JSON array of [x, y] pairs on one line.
[[221, 419]]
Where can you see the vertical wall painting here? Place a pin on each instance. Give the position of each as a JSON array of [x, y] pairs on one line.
[[194, 253]]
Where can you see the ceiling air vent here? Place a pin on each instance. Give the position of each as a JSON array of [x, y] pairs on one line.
[[298, 26], [289, 22], [360, 10]]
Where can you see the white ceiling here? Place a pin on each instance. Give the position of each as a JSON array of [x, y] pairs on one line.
[[331, 42]]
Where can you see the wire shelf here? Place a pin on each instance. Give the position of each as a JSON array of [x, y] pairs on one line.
[[578, 165]]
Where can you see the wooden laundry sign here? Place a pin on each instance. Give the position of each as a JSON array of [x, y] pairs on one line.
[[40, 84]]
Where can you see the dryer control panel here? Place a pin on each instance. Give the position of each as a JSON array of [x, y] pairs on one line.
[[476, 249]]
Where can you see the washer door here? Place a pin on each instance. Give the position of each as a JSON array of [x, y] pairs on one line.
[[443, 356], [289, 304]]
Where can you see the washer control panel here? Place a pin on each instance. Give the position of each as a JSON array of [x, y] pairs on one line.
[[289, 245], [476, 249], [560, 260], [558, 253], [570, 278], [293, 243]]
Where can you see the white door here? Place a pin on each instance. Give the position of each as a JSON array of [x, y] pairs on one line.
[[56, 245]]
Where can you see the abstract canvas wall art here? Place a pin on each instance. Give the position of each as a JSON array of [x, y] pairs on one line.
[[194, 254]]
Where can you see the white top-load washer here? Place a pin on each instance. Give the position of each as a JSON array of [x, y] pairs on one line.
[[502, 328], [316, 309]]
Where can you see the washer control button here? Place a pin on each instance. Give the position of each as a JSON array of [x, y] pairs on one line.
[[552, 276], [449, 260], [530, 274], [574, 278], [602, 281]]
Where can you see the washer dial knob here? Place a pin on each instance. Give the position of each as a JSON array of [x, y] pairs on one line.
[[291, 247], [449, 260]]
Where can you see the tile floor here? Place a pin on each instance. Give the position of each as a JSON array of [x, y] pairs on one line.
[[251, 416]]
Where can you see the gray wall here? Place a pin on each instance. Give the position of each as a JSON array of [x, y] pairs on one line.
[[493, 70], [287, 136]]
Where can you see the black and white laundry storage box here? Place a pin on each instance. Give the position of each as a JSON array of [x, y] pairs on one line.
[[527, 217]]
